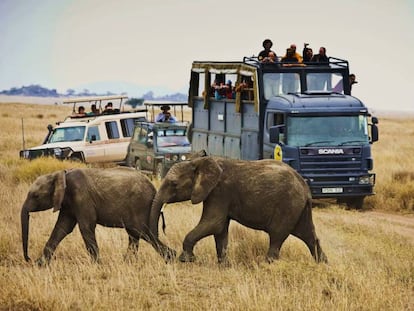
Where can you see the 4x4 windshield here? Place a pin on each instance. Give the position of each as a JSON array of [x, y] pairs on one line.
[[172, 137], [75, 133]]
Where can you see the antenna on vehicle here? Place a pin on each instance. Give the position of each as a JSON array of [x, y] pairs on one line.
[[23, 135]]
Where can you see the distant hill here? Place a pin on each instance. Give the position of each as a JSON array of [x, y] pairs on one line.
[[39, 91], [31, 90]]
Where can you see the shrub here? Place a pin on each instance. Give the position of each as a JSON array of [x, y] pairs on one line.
[[28, 171]]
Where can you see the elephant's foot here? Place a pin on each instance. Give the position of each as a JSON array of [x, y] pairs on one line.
[[169, 255], [187, 257], [223, 262], [42, 261], [322, 258]]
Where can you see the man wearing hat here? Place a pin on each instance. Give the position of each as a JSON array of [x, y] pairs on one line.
[[165, 115], [267, 45]]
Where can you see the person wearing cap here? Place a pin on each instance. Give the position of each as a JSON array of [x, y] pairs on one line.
[[267, 45], [165, 115]]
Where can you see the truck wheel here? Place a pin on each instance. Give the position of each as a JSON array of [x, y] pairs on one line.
[[160, 171], [356, 202], [138, 166]]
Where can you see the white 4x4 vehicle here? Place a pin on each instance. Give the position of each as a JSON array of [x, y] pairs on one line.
[[90, 138]]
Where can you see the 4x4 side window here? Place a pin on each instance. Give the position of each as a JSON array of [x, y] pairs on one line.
[[93, 134], [112, 129], [127, 126]]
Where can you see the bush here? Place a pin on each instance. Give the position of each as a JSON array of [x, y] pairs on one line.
[[28, 171]]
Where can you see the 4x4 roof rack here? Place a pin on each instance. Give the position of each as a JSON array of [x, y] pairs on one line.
[[150, 106], [94, 100]]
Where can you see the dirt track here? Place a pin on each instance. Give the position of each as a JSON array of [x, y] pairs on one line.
[[401, 224], [391, 223]]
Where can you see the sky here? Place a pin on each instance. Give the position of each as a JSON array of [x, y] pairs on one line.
[[70, 44]]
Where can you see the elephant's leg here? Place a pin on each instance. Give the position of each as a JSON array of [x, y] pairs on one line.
[[88, 234], [276, 240], [305, 230], [64, 225], [207, 226], [308, 235], [222, 240], [133, 241]]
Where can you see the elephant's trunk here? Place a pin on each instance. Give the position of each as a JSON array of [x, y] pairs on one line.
[[155, 214], [24, 216], [167, 253]]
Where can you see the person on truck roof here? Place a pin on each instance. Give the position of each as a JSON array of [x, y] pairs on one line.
[[295, 54], [271, 58], [307, 53], [321, 57], [267, 45]]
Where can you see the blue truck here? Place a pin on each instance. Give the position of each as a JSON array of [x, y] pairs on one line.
[[301, 114]]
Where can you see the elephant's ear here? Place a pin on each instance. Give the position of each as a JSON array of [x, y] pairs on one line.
[[207, 176], [60, 187]]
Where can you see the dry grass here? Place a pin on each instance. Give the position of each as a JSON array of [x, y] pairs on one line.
[[370, 266]]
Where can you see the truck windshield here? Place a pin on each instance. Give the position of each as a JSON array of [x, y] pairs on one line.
[[327, 131], [75, 133], [275, 84]]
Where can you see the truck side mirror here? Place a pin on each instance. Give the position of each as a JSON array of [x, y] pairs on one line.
[[274, 133], [93, 138], [374, 133]]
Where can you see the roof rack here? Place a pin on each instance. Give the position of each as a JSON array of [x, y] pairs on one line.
[[94, 99], [334, 62], [151, 104]]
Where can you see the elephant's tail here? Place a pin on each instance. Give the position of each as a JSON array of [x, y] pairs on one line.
[[163, 221]]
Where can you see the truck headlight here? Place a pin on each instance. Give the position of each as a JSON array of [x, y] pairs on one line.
[[364, 180], [175, 157], [57, 152], [26, 154], [183, 157]]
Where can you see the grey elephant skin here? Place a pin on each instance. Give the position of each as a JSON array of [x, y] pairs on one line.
[[265, 195], [119, 197]]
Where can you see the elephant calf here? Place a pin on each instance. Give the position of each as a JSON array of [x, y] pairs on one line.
[[119, 197], [264, 195]]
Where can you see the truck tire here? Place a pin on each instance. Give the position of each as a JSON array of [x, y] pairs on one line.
[[355, 202], [159, 171]]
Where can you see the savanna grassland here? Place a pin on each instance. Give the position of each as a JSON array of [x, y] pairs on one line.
[[370, 252]]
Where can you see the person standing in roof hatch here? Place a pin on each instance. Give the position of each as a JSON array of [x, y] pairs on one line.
[[165, 115]]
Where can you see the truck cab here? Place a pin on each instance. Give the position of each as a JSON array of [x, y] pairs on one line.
[[301, 114]]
